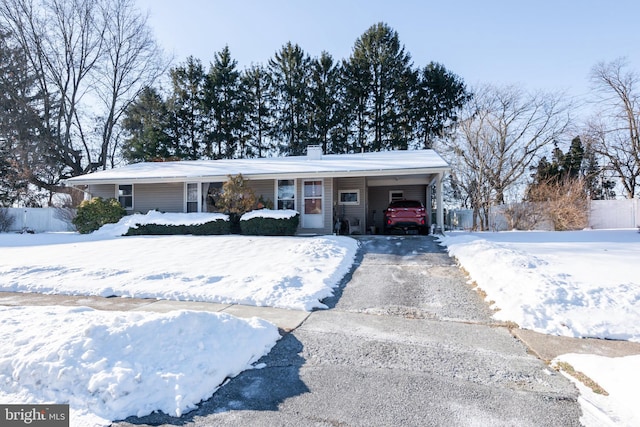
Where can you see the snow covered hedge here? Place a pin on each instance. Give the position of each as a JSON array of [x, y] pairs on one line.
[[216, 227], [267, 222], [261, 222]]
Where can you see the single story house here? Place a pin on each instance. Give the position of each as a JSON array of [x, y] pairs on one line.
[[325, 189]]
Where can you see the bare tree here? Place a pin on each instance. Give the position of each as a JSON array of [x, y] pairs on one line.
[[132, 61], [615, 132], [501, 133], [92, 57]]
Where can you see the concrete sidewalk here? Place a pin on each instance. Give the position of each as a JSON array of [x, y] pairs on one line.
[[545, 347], [286, 320]]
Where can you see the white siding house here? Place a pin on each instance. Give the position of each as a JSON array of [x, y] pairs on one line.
[[323, 188]]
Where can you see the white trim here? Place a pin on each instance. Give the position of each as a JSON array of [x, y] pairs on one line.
[[349, 203], [133, 203], [313, 220], [295, 192], [186, 195]]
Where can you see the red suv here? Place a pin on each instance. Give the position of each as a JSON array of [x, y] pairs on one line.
[[406, 215]]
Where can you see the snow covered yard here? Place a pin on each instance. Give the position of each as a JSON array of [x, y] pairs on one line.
[[109, 365], [576, 284]]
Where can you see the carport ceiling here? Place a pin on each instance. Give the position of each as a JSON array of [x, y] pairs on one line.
[[418, 179]]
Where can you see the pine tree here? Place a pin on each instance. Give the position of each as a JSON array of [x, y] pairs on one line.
[[258, 123], [290, 69], [146, 122], [324, 95], [223, 101], [187, 110], [440, 96], [380, 59], [24, 155]]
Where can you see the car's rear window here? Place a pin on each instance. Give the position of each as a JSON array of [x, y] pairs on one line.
[[406, 204]]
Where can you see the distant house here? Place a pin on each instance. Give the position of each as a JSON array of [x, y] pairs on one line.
[[323, 188]]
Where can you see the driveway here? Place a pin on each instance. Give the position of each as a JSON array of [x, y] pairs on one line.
[[406, 342]]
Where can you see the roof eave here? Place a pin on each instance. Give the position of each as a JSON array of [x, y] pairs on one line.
[[73, 182]]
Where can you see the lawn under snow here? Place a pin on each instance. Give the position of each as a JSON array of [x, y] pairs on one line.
[[576, 284], [285, 272], [110, 365]]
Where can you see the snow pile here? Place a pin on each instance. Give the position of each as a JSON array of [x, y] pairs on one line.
[[158, 218], [111, 365], [619, 376], [577, 284], [269, 213]]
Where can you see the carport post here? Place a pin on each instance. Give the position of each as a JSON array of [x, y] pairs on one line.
[[439, 207]]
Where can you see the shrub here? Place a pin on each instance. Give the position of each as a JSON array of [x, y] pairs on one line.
[[6, 219], [93, 214], [235, 198], [524, 216], [261, 226], [566, 203], [208, 228]]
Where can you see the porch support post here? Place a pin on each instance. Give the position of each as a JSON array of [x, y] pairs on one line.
[[429, 204], [439, 207]]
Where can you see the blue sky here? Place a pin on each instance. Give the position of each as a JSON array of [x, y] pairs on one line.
[[543, 44]]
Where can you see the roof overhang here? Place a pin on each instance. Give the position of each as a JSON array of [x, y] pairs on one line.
[[379, 164]]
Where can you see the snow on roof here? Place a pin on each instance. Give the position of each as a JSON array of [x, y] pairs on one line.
[[376, 163]]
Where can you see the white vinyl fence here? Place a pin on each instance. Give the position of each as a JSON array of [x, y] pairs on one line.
[[604, 214], [38, 220], [615, 213]]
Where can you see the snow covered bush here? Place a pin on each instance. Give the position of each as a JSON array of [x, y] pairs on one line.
[[267, 222], [93, 214]]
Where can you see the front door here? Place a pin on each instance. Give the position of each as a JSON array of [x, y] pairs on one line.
[[312, 215]]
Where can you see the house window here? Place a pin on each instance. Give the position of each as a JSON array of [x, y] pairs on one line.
[[348, 197], [125, 196], [396, 195], [286, 194]]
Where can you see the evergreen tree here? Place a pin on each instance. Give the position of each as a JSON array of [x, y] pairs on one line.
[[324, 92], [24, 155], [381, 61], [187, 110], [440, 95], [355, 81], [290, 70], [572, 161], [341, 135], [224, 104], [146, 122], [563, 168], [258, 124]]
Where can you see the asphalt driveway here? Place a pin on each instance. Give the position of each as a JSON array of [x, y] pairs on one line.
[[406, 342]]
